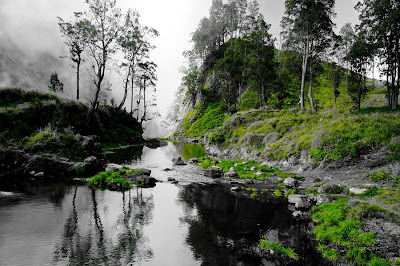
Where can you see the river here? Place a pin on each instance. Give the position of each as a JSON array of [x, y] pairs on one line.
[[194, 222]]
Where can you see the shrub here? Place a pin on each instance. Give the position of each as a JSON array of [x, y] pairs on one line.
[[278, 248], [216, 138]]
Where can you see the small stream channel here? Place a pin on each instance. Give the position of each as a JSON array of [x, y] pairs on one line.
[[194, 222]]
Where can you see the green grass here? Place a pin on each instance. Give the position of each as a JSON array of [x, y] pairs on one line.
[[243, 168], [104, 180], [338, 228], [278, 248]]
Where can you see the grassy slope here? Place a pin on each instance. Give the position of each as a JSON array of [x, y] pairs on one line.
[[331, 134], [44, 123]]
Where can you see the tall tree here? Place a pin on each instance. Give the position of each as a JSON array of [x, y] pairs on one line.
[[381, 19], [347, 36], [360, 56], [104, 26], [147, 77], [307, 26], [75, 34], [135, 46]]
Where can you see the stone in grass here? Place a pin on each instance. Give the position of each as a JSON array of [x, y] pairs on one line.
[[330, 189], [178, 161], [300, 201], [357, 191], [323, 198], [232, 173], [253, 168], [213, 172], [290, 182], [194, 160]]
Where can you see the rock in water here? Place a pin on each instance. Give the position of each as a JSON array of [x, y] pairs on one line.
[[143, 171], [214, 172], [235, 189], [178, 161], [300, 201]]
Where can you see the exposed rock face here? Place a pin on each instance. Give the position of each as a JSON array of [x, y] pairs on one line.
[[253, 140], [290, 182], [214, 172], [178, 161], [300, 201]]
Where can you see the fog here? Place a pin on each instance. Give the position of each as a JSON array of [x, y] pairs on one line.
[[31, 44]]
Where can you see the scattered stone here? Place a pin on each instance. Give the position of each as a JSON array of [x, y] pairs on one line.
[[143, 171], [300, 201], [245, 169], [259, 173], [330, 189], [253, 168], [113, 167], [312, 197], [214, 172], [290, 182], [167, 169], [232, 173], [235, 189], [90, 159], [40, 174], [357, 191], [297, 214], [170, 179], [323, 198], [178, 161], [194, 160], [249, 181]]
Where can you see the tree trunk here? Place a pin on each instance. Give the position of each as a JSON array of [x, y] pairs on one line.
[[303, 78], [359, 91], [78, 64], [310, 90], [389, 92], [347, 79], [125, 91], [144, 102], [132, 97]]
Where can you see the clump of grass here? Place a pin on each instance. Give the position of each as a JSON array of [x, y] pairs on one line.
[[278, 248], [339, 229], [278, 193], [107, 180], [290, 191], [383, 176]]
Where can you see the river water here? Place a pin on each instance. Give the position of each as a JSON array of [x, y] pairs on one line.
[[194, 222]]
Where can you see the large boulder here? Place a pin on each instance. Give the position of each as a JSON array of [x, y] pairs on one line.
[[357, 191], [214, 172], [178, 161], [113, 167], [143, 171], [290, 182], [300, 201]]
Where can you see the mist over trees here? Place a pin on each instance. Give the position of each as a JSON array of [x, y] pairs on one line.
[[111, 42], [234, 59]]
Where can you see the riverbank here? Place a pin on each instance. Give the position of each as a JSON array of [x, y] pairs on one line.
[[44, 137]]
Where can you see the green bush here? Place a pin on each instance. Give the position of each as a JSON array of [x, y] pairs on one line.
[[278, 248], [216, 138]]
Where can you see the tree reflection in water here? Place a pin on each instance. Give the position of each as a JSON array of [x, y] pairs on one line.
[[105, 228], [227, 228]]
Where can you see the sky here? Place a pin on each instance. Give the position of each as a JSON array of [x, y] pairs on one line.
[[33, 25]]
